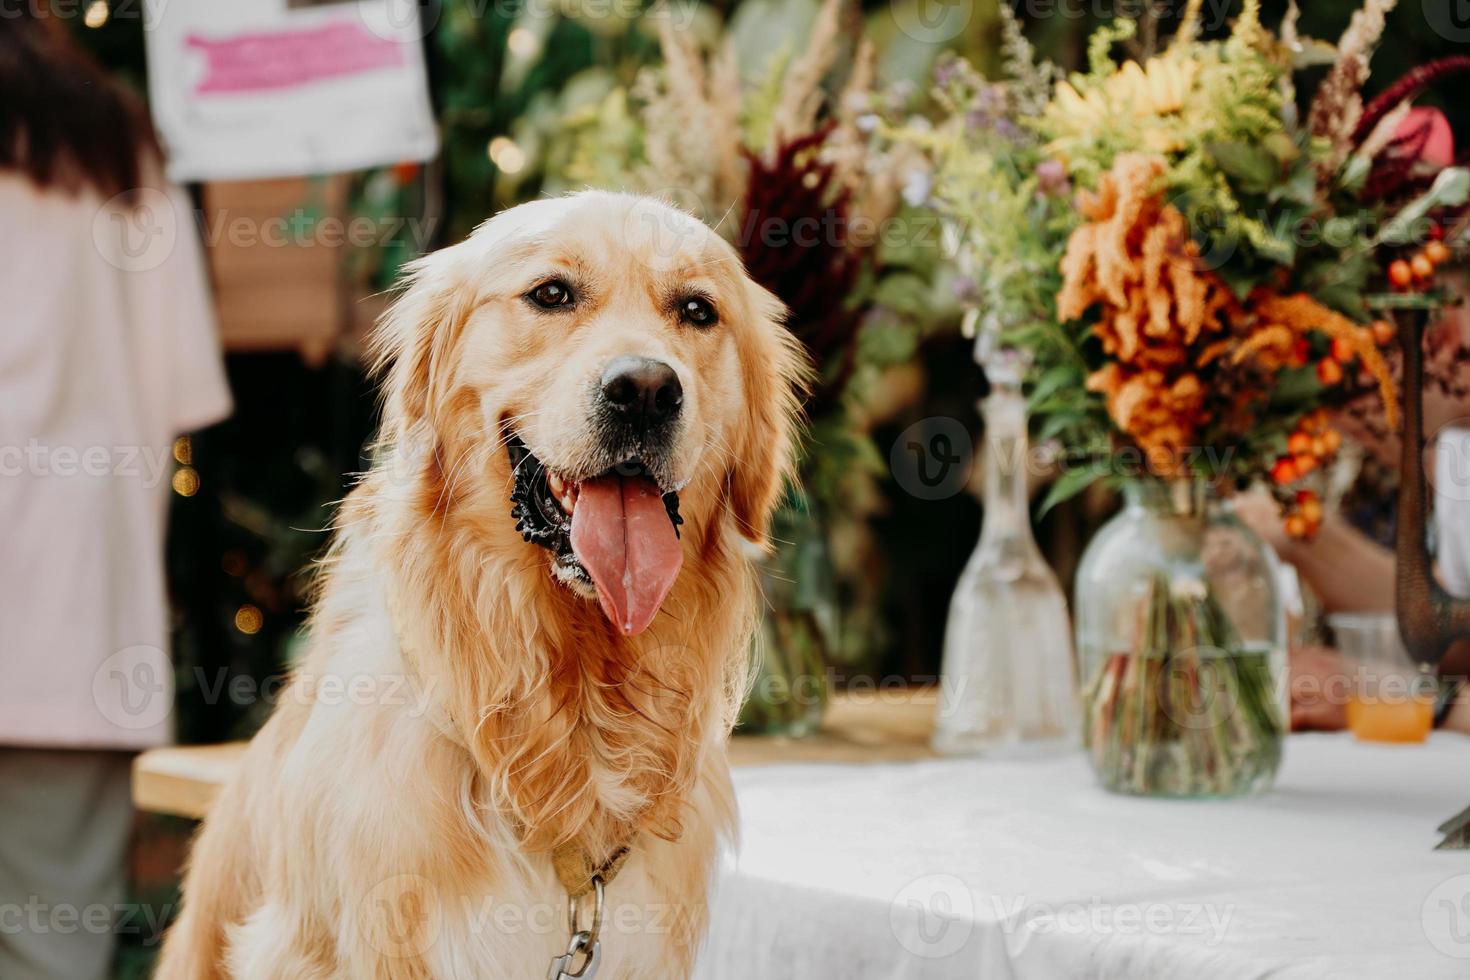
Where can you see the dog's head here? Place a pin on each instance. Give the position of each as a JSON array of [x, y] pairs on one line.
[[603, 363]]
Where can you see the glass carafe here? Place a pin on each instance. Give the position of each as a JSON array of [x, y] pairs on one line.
[[1009, 679], [1181, 638]]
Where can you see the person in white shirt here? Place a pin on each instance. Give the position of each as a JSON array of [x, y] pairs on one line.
[[108, 349]]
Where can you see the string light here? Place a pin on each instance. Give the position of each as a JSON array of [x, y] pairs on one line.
[[97, 14], [186, 481], [506, 155], [249, 619]]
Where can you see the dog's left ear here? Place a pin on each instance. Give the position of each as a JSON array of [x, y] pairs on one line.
[[775, 374]]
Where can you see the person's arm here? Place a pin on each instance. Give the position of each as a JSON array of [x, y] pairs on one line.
[[1346, 569]]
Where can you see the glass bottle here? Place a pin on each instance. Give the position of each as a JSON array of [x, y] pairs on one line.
[[1009, 681]]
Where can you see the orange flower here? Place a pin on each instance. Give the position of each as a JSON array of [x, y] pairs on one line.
[[1161, 415], [1134, 259], [1302, 314]]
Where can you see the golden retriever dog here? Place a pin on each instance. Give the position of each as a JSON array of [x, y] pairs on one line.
[[531, 633]]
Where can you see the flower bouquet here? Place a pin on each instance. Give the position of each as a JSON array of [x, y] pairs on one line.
[[1192, 263]]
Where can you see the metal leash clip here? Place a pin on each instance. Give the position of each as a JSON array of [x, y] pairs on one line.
[[584, 942]]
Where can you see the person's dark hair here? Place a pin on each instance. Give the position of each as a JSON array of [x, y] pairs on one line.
[[64, 122]]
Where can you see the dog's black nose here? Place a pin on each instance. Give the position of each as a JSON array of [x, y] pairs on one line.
[[640, 388]]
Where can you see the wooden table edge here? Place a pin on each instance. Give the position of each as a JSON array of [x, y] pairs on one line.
[[879, 726]]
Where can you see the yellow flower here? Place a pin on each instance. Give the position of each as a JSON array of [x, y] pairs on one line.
[[1081, 110], [1155, 89]]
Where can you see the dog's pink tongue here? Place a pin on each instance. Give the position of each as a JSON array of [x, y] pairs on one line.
[[622, 535]]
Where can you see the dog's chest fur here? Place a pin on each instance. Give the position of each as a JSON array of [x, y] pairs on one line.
[[386, 848]]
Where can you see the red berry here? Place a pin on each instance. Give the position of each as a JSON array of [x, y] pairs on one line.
[[1342, 350], [1312, 511], [1284, 471], [1399, 273], [1329, 371]]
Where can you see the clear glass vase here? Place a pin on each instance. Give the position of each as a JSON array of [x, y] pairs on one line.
[[1009, 680], [1181, 639], [798, 626]]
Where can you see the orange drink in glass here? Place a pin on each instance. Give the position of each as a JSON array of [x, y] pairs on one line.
[[1392, 698], [1403, 720]]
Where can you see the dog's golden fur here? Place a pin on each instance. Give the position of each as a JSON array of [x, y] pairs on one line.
[[402, 828]]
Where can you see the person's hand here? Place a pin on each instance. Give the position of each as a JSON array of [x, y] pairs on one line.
[[1320, 686], [1257, 510]]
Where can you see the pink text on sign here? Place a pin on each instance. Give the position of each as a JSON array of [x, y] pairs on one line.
[[282, 59]]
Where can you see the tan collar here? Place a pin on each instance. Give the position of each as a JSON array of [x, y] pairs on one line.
[[575, 868]]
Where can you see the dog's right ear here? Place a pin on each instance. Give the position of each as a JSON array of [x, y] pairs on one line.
[[410, 346], [776, 374]]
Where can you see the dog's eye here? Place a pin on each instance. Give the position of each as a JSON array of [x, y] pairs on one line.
[[698, 311], [550, 295]]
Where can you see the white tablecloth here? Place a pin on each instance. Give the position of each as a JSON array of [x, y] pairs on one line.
[[995, 869]]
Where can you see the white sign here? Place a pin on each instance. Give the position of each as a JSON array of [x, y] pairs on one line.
[[277, 88]]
